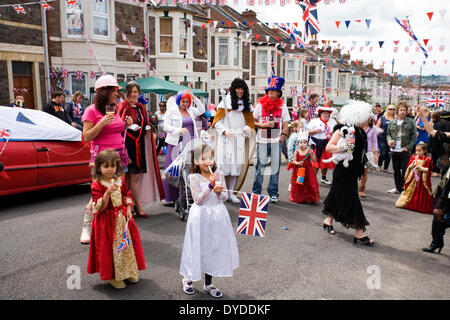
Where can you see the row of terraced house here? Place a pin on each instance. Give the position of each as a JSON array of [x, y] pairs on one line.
[[200, 46]]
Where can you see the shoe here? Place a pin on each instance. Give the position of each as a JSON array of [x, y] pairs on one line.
[[117, 284], [139, 214], [362, 194], [213, 291], [325, 181], [87, 224], [365, 241], [133, 279], [394, 191], [435, 174], [187, 287], [274, 199], [433, 247], [233, 198], [290, 187], [386, 171], [329, 228]]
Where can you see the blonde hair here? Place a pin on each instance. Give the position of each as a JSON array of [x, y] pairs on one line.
[[76, 95]]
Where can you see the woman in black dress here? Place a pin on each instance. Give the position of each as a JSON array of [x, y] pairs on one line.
[[342, 203]]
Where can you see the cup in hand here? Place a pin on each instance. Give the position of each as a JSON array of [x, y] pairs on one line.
[[110, 109]]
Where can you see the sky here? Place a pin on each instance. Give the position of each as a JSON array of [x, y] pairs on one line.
[[382, 28]]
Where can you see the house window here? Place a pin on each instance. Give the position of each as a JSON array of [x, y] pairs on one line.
[[300, 66], [184, 36], [223, 52], [165, 35], [342, 82], [290, 70], [236, 52], [75, 19], [328, 79], [289, 102], [312, 74], [262, 62], [78, 85], [100, 17]]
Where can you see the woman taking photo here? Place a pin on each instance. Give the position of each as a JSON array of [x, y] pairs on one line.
[[383, 123], [141, 149], [102, 128], [180, 125], [343, 203]]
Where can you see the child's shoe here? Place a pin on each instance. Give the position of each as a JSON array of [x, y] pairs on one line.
[[188, 288], [133, 279], [117, 284], [213, 291]]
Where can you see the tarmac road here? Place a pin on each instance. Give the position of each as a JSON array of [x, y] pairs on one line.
[[40, 251]]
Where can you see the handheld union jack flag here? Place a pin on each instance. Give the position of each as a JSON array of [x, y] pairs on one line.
[[310, 18], [407, 27], [125, 240], [436, 102], [5, 134], [303, 97], [324, 98], [253, 214]]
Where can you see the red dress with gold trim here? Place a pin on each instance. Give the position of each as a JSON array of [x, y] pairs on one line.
[[103, 232]]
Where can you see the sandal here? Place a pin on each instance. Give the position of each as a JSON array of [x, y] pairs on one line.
[[329, 228], [365, 241], [213, 291], [187, 287]]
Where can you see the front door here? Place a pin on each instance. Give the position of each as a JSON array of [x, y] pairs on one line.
[[23, 81]]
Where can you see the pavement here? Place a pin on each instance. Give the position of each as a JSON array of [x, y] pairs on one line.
[[41, 257]]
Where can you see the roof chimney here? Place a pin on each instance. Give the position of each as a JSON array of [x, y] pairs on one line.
[[249, 15]]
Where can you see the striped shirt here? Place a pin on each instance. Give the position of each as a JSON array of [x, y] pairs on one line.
[[311, 111]]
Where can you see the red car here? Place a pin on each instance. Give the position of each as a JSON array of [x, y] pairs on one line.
[[30, 162]]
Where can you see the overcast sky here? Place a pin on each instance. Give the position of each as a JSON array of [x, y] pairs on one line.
[[382, 28]]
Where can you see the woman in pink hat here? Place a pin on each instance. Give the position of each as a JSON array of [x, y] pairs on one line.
[[102, 128]]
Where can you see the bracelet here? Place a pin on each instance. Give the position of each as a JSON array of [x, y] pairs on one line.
[[284, 134], [210, 186]]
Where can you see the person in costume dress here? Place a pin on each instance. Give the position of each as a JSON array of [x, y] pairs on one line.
[[305, 188], [292, 144], [271, 118], [102, 131], [441, 204], [342, 202], [417, 195], [209, 243], [141, 149], [233, 123], [115, 259], [180, 124], [320, 130]]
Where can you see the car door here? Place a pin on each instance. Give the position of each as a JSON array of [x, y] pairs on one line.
[[20, 165], [62, 162]]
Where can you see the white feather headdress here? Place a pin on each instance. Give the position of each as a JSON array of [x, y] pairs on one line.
[[355, 113]]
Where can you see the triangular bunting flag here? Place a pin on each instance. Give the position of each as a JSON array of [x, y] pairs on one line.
[[347, 23], [396, 42], [368, 21], [24, 119], [430, 15], [425, 41], [381, 43], [337, 24]]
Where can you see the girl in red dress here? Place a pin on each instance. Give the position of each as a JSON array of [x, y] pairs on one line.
[[305, 188], [418, 194], [115, 249]]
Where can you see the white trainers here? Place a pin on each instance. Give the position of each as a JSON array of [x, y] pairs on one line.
[[274, 199], [233, 197], [394, 191], [325, 181], [290, 187]]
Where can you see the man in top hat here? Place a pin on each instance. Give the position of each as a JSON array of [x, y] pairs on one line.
[[321, 129], [271, 118]]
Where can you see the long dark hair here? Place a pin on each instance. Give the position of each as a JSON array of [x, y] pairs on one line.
[[239, 83], [101, 98], [108, 155], [196, 154]]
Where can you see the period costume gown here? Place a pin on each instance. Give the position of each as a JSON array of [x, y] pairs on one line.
[[209, 242], [418, 195], [108, 228], [342, 202], [308, 192]]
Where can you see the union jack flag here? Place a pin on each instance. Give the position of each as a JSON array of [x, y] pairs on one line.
[[72, 3], [407, 27], [310, 18], [436, 102], [65, 73], [45, 5], [294, 91], [92, 74], [79, 75], [4, 134], [324, 98], [19, 9], [253, 214], [303, 97], [296, 36], [125, 241], [146, 45]]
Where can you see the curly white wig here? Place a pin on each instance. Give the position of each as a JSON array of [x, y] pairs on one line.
[[355, 113]]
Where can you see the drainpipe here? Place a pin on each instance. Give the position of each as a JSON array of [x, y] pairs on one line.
[[46, 55]]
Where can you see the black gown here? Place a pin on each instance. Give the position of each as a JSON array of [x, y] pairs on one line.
[[342, 202], [136, 167]]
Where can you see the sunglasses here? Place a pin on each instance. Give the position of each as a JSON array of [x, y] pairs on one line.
[[391, 109]]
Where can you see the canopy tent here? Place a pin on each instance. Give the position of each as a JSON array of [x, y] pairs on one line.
[[17, 124], [160, 86]]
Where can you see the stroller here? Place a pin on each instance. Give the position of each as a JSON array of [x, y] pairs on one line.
[[177, 175]]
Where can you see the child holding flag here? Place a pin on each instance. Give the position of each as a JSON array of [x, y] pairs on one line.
[[209, 242], [305, 188], [115, 248]]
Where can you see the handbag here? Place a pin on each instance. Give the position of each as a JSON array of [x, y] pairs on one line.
[[300, 175]]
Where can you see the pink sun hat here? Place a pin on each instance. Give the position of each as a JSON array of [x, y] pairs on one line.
[[106, 81]]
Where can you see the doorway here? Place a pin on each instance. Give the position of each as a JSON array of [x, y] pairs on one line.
[[23, 81]]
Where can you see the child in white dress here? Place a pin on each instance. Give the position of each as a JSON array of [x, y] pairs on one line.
[[209, 242]]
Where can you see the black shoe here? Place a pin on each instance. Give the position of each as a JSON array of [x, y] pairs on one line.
[[329, 228], [433, 247], [365, 241]]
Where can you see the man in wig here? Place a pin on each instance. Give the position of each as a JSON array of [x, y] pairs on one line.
[[233, 123], [271, 118]]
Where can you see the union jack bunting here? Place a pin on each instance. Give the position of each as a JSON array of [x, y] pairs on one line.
[[19, 9], [303, 97], [294, 91], [310, 18], [125, 241], [72, 3], [146, 45], [92, 74], [407, 27], [296, 36], [324, 98], [79, 75], [253, 214], [4, 134], [45, 5], [436, 102], [65, 73]]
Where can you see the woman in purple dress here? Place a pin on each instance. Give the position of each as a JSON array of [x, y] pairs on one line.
[[180, 125]]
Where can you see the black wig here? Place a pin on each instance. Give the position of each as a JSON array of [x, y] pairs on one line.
[[239, 83]]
